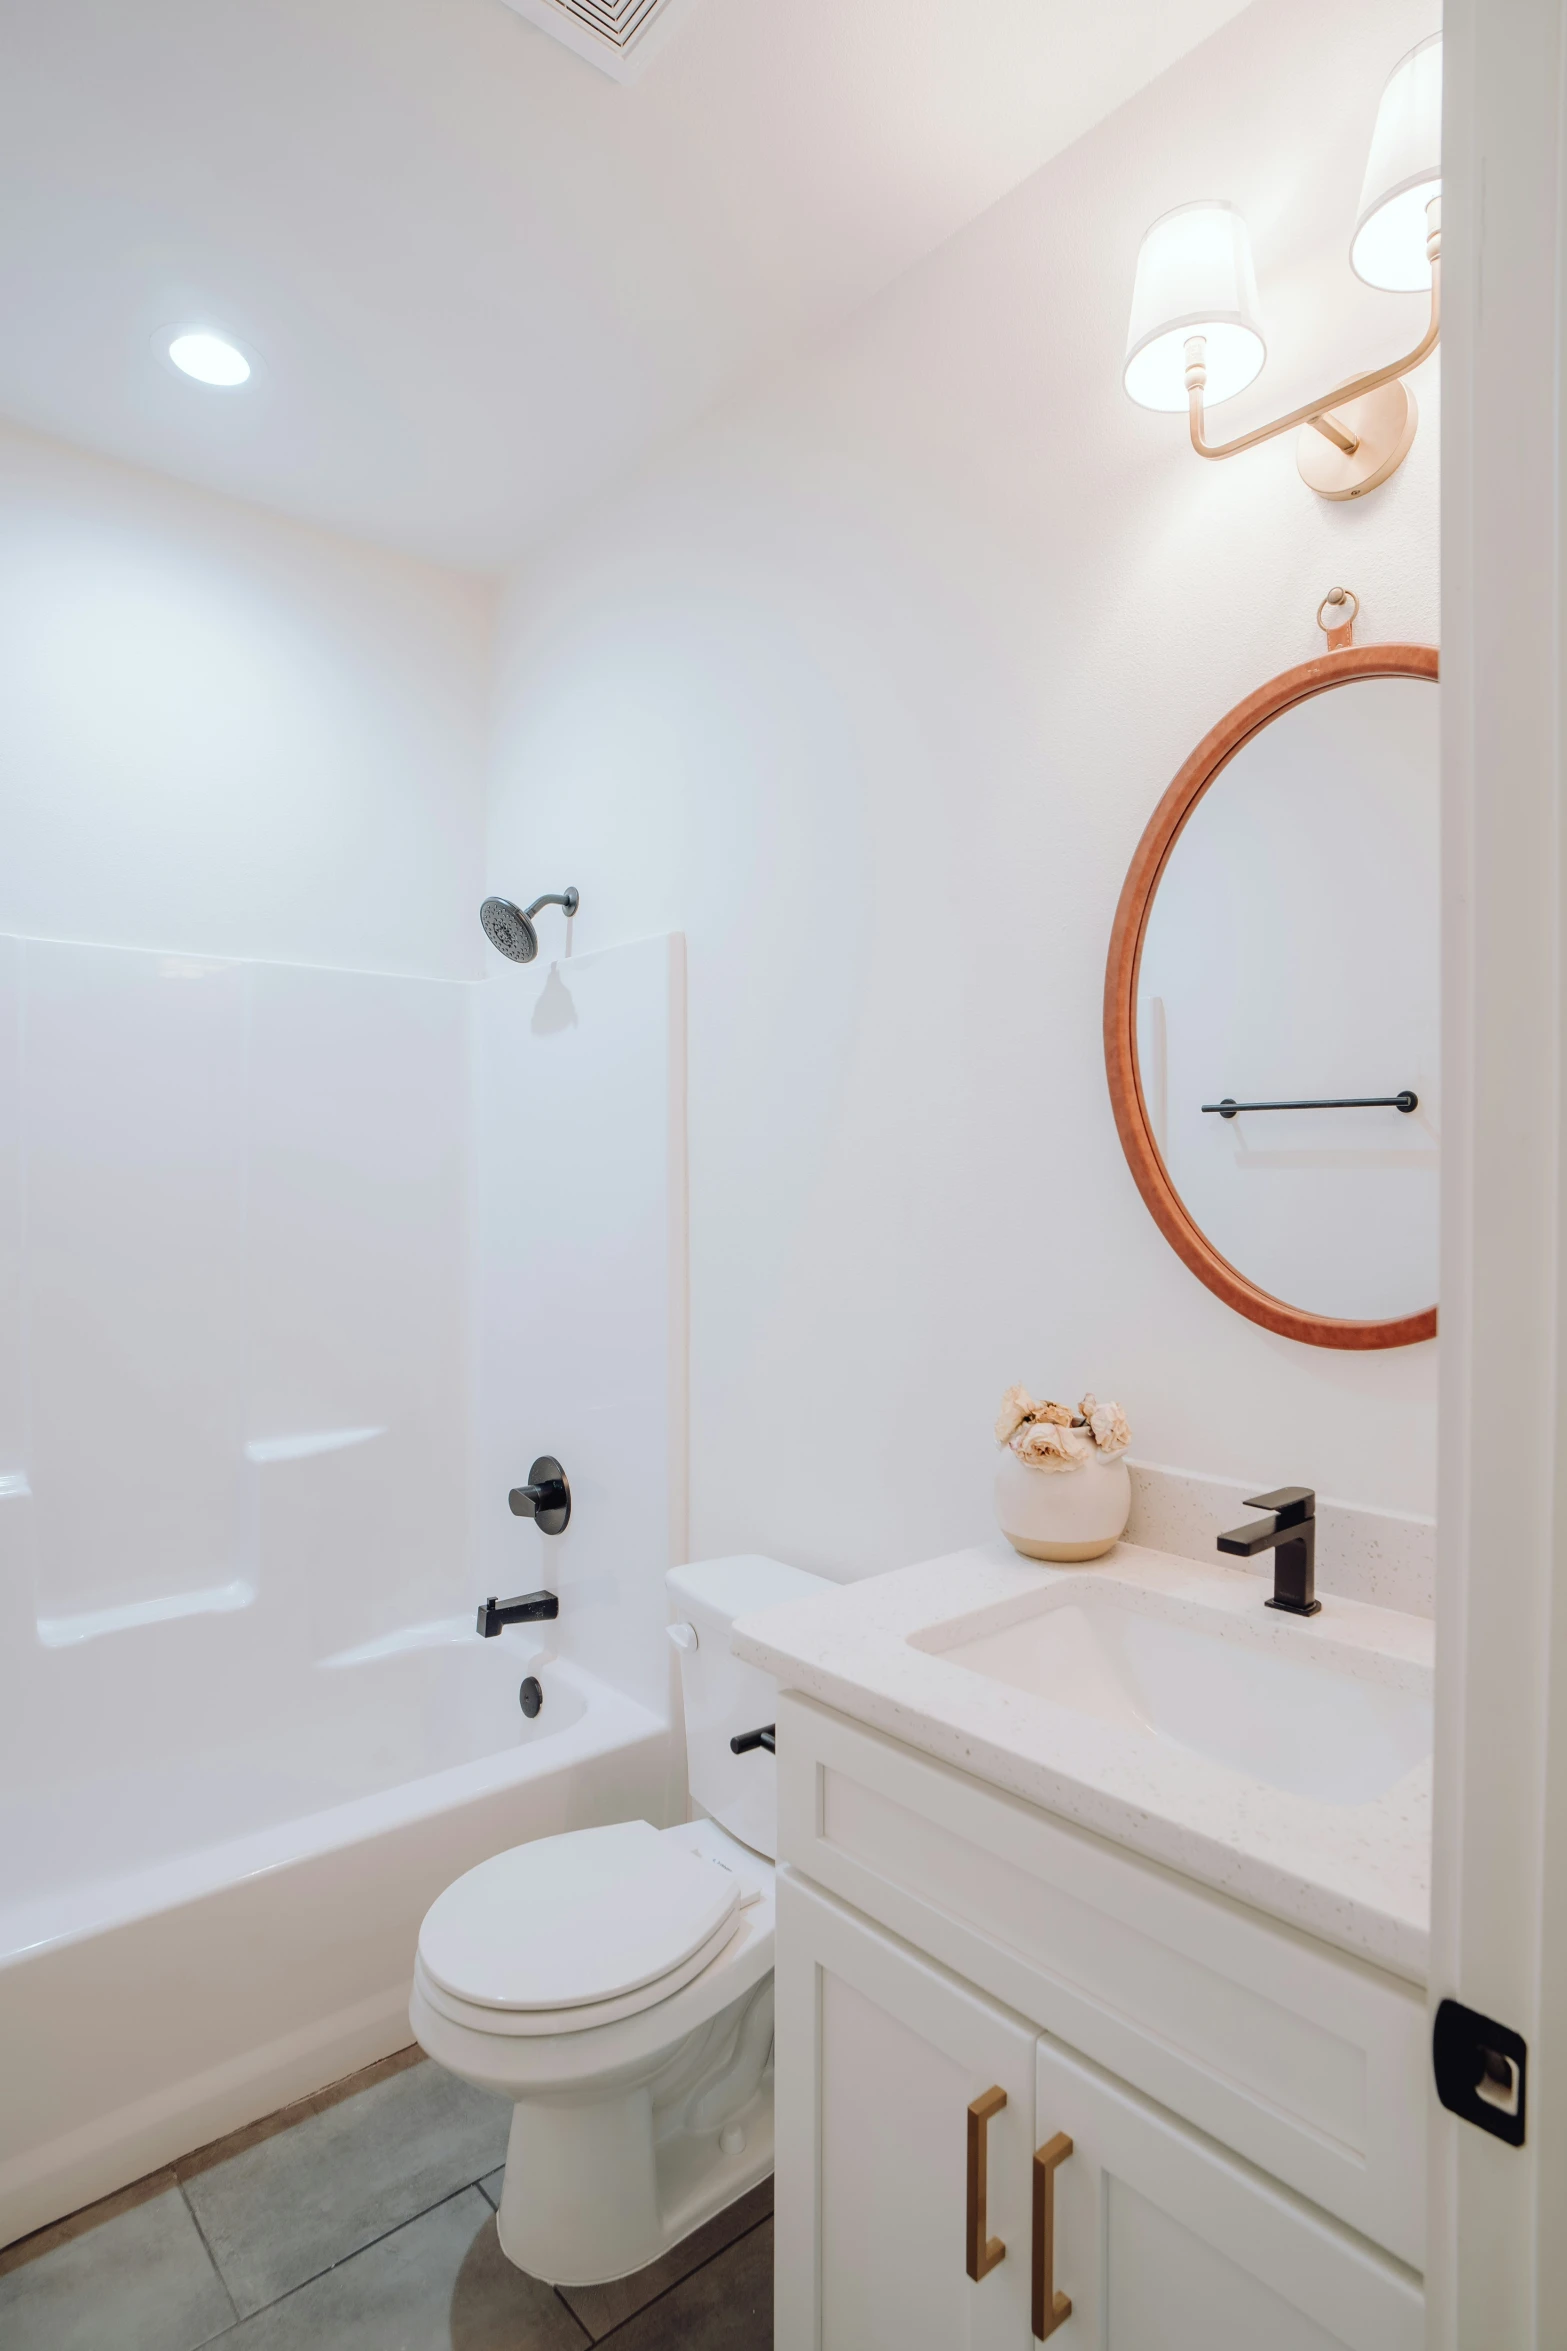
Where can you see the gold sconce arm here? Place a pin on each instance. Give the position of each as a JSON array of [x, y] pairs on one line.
[[1195, 293], [1315, 412]]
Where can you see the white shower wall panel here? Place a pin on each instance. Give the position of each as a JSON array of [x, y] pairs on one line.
[[236, 1392], [580, 1087], [300, 1268], [133, 1119], [359, 1384]]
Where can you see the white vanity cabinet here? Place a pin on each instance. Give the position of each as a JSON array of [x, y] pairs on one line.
[[941, 1947], [871, 2142]]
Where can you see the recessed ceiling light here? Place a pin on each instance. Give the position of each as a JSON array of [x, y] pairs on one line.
[[210, 359]]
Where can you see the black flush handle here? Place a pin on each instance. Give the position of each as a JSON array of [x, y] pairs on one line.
[[1481, 2070]]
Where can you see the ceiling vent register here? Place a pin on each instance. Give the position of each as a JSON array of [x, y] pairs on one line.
[[618, 36]]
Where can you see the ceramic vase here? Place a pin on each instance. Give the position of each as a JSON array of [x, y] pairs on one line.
[[1063, 1514]]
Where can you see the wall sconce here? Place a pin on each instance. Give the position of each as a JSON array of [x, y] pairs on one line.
[[1195, 336]]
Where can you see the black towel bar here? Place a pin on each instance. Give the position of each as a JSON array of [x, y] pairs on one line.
[[1405, 1101]]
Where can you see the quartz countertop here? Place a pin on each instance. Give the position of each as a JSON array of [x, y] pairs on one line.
[[1356, 1875]]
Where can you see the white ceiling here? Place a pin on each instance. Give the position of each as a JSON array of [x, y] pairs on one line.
[[480, 279]]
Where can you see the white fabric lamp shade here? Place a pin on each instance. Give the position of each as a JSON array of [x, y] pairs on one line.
[[1194, 277], [1403, 173]]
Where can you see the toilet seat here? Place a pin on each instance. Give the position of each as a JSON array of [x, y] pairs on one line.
[[575, 1930], [586, 2014]]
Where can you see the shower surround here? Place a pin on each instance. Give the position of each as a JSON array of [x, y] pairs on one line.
[[298, 1269]]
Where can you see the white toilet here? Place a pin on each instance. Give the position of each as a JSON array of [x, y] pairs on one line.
[[617, 1983]]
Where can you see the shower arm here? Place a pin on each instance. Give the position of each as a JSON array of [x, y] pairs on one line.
[[567, 898]]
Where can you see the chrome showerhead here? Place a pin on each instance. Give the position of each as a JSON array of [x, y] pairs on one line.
[[510, 928]]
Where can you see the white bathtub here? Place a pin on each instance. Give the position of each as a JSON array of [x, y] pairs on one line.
[[186, 1948]]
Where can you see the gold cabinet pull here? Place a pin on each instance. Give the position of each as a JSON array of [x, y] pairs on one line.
[[1050, 2309], [982, 2252]]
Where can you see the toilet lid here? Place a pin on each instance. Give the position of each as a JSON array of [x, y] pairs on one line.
[[575, 1918]]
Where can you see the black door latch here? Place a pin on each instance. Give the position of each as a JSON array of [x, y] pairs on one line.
[[1481, 2067]]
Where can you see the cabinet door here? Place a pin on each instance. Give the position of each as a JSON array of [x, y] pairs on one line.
[[1164, 2243], [879, 2056]]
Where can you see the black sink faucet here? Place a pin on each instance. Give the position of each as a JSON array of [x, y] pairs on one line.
[[1291, 1535], [493, 1613]]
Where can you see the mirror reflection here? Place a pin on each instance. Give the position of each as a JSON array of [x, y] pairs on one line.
[[1291, 956]]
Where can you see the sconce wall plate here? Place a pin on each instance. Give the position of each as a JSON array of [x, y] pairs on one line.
[[1383, 425]]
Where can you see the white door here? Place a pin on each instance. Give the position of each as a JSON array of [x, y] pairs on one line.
[[880, 2055], [1497, 2263], [1163, 2243]]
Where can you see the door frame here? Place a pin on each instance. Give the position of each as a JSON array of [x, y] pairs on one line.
[[1495, 2274]]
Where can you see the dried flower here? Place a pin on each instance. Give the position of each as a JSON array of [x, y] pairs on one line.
[[1050, 1436], [1018, 1410], [1108, 1424], [1017, 1407], [1046, 1444]]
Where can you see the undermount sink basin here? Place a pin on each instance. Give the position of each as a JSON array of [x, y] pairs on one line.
[[1334, 1724]]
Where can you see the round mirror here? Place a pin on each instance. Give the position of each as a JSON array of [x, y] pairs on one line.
[[1272, 998]]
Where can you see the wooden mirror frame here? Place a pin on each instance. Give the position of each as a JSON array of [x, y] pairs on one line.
[[1185, 1236]]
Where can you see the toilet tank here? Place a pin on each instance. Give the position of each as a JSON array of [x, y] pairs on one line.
[[721, 1696]]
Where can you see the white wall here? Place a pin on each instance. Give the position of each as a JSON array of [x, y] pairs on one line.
[[869, 688], [229, 734]]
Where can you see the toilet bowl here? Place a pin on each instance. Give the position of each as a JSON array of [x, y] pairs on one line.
[[617, 1983]]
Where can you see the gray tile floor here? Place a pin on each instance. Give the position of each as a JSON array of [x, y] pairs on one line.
[[362, 2219]]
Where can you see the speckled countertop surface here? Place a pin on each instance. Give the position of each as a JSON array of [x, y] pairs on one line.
[[1355, 1874]]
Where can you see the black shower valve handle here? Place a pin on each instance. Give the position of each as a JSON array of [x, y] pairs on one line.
[[546, 1498]]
